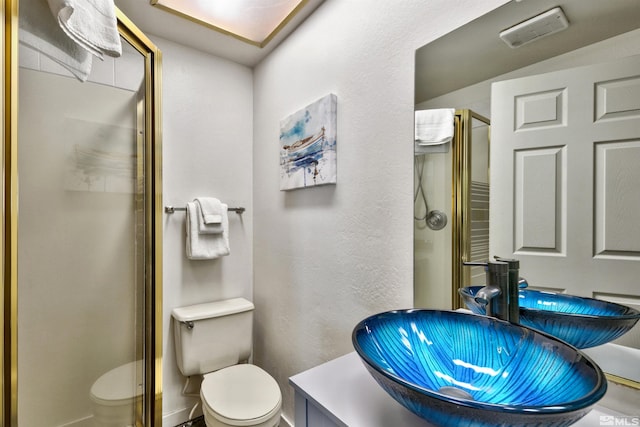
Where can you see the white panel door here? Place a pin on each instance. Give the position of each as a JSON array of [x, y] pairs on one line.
[[565, 179]]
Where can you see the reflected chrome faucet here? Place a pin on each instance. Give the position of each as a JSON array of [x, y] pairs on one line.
[[500, 295]]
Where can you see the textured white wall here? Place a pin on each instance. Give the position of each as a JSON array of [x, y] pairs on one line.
[[326, 257], [207, 151]]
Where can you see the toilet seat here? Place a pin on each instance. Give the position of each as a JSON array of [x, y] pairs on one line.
[[240, 395], [117, 386]]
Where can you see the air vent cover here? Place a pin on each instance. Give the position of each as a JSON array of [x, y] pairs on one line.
[[539, 26]]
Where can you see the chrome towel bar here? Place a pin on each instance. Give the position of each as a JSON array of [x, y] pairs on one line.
[[172, 209]]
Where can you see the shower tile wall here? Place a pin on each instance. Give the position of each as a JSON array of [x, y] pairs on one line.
[[123, 73]]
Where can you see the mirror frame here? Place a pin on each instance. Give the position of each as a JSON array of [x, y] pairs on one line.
[[152, 405]]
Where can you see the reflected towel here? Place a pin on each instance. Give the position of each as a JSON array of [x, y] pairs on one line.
[[435, 126], [205, 246], [92, 24], [40, 31], [210, 219]]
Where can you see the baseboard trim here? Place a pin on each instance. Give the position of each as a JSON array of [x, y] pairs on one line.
[[176, 418], [82, 422], [284, 422], [179, 417]]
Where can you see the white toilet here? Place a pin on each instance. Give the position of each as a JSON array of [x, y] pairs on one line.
[[115, 394], [212, 339]]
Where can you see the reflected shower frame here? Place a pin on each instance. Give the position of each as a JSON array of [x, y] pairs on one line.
[[461, 201], [149, 109]]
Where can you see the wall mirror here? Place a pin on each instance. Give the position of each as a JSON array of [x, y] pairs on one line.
[[470, 69], [82, 234]]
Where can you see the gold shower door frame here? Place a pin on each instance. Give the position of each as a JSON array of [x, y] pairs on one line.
[[149, 114], [461, 201]]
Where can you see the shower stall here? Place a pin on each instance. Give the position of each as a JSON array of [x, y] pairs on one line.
[[81, 235], [452, 183]]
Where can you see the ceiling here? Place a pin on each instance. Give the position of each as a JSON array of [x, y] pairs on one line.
[[443, 65], [155, 21], [475, 53]]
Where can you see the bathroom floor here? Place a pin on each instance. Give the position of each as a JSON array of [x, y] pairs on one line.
[[196, 422]]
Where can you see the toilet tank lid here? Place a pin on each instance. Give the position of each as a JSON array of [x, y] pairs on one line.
[[211, 309]]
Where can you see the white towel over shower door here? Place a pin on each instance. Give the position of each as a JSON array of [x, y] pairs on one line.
[[565, 179]]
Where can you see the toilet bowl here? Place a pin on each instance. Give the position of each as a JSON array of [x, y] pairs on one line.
[[114, 396], [240, 395]]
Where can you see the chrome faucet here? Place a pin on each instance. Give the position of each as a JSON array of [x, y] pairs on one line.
[[495, 295], [515, 283], [500, 295]]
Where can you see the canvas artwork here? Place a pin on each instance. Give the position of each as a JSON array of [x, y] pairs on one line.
[[308, 146]]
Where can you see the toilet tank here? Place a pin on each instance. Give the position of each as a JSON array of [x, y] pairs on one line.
[[212, 335]]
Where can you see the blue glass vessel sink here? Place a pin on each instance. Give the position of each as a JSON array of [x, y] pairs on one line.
[[582, 322], [458, 369]]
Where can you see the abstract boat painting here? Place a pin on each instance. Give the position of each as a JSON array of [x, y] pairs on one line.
[[308, 146]]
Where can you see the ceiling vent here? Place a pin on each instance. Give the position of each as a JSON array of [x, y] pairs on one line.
[[532, 29]]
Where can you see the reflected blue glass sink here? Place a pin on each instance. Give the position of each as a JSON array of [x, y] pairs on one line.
[[582, 322], [458, 369]]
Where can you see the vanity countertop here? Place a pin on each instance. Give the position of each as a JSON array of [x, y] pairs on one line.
[[347, 395]]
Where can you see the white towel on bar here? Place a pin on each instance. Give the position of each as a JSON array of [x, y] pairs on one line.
[[210, 219], [205, 246], [40, 31], [434, 126], [92, 24]]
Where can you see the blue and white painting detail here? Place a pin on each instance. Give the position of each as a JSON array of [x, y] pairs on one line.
[[308, 146]]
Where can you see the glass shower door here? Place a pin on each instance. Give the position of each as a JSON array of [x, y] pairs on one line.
[[81, 242]]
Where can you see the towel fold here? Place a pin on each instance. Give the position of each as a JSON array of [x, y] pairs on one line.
[[211, 209], [434, 126], [92, 24], [210, 218], [430, 149], [205, 246], [40, 31]]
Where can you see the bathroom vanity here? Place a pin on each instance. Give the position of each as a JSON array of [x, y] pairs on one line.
[[341, 393]]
